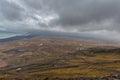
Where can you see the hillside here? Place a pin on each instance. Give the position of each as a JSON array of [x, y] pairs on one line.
[[44, 58]]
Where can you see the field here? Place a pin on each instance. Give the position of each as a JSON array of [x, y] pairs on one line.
[[43, 58]]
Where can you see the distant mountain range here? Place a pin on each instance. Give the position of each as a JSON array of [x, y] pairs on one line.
[[51, 34]]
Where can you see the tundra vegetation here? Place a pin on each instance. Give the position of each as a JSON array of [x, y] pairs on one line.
[[44, 58]]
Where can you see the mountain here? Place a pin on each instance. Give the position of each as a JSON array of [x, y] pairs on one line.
[[15, 38], [53, 34]]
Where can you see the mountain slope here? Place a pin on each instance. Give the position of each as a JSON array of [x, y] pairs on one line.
[[58, 57]]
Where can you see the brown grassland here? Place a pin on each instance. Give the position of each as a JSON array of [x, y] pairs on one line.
[[44, 57]]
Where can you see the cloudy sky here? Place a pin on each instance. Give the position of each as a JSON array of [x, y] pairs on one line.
[[99, 17]]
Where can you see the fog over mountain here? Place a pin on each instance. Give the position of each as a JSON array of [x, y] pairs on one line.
[[94, 17]]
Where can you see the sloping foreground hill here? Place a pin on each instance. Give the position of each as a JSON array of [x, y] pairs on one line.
[[44, 58]]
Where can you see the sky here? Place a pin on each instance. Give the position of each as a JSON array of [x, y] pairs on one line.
[[97, 17]]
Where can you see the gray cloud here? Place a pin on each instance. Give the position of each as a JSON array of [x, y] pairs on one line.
[[82, 15], [33, 4], [11, 11], [77, 13], [63, 15]]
